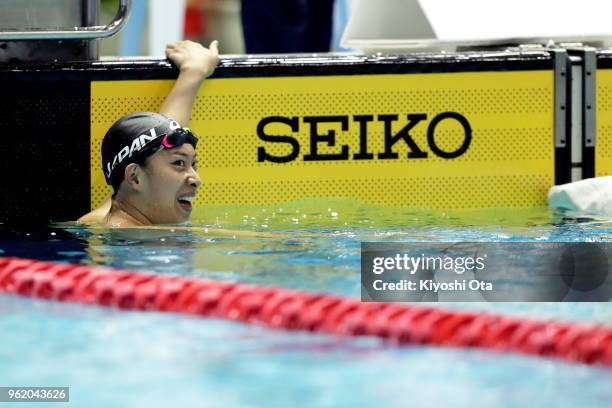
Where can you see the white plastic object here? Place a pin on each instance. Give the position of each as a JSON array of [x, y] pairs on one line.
[[393, 25], [592, 195]]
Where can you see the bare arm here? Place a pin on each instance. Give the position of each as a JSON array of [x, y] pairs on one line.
[[195, 63]]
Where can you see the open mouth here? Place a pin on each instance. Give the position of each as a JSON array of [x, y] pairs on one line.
[[186, 203]]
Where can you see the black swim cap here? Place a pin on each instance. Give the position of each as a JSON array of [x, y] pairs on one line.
[[133, 138]]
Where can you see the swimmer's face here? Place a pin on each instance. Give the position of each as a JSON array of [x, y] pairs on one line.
[[169, 185]]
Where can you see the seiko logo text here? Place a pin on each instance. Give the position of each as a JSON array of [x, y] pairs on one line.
[[391, 138]]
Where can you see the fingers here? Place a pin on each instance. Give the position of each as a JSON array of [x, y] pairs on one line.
[[214, 47], [170, 49]]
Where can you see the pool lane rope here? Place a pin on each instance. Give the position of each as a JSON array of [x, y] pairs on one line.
[[297, 310]]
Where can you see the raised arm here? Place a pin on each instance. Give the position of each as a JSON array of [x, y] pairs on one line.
[[195, 63]]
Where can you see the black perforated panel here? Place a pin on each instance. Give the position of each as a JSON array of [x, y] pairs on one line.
[[44, 158]]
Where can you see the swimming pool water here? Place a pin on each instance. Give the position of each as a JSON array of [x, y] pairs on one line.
[[116, 358]]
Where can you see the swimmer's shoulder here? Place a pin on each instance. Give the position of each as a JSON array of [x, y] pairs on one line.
[[92, 218], [97, 216], [106, 219]]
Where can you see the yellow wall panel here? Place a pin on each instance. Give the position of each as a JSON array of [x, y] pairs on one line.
[[509, 161], [603, 150]]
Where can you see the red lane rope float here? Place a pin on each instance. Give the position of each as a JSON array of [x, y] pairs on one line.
[[296, 310]]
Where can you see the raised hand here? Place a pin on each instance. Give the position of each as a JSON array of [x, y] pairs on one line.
[[192, 56]]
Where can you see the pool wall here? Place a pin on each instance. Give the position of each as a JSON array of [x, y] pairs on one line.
[[450, 130], [598, 143]]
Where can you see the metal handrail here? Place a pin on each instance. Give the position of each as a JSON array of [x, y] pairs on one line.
[[76, 33]]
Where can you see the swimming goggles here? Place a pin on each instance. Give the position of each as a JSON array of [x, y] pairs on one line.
[[175, 138], [178, 137]]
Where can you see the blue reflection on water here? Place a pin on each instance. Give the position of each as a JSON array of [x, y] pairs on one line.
[[113, 358]]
